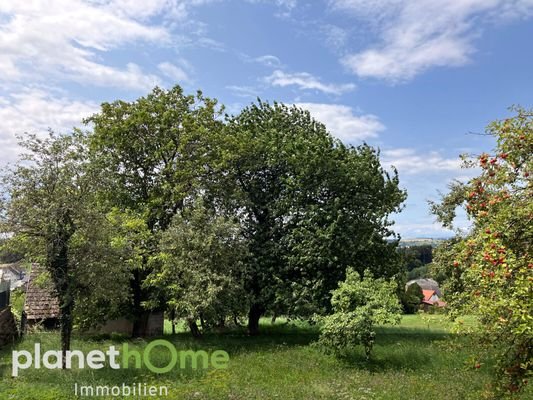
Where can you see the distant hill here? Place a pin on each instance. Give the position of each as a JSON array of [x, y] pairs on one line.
[[434, 242]]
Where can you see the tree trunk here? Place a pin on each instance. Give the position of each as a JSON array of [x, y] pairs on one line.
[[173, 320], [195, 331], [141, 315], [236, 321], [63, 280], [137, 308], [255, 313], [66, 331]]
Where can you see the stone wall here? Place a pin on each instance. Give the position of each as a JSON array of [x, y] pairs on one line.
[[8, 327]]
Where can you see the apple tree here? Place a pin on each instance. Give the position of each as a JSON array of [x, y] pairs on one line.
[[490, 270]]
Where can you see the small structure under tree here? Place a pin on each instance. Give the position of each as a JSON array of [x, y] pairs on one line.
[[41, 306]]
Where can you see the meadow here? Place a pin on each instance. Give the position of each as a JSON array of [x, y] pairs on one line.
[[420, 358]]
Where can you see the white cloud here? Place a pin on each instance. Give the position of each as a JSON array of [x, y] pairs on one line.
[[66, 39], [287, 3], [243, 91], [409, 162], [285, 6], [341, 121], [335, 37], [306, 81], [173, 72], [368, 8], [268, 60], [35, 110], [417, 35], [145, 9], [211, 44]]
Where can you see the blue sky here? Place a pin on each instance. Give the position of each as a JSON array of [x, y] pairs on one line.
[[413, 78]]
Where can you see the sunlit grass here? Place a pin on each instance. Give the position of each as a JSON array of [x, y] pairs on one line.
[[418, 359]]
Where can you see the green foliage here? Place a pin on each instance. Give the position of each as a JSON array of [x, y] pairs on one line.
[[9, 253], [17, 302], [416, 260], [49, 209], [416, 256], [411, 298], [103, 281], [150, 154], [151, 150], [308, 206], [200, 265], [443, 268], [418, 272], [490, 270], [359, 305], [303, 207]]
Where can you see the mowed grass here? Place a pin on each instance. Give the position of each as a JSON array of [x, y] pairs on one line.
[[418, 359]]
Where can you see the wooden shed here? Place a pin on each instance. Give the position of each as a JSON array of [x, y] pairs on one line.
[[41, 306]]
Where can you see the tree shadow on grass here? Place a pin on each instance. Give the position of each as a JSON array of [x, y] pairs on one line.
[[5, 370], [405, 360], [237, 341], [412, 349], [405, 348], [395, 349]]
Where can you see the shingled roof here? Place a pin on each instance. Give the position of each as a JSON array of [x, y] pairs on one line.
[[41, 303]]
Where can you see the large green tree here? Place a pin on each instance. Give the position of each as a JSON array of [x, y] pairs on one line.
[[309, 206], [150, 152]]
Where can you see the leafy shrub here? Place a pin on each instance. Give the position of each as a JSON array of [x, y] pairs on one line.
[[359, 304], [17, 303]]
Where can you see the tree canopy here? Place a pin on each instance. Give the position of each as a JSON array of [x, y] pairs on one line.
[[309, 206], [212, 216], [150, 153]]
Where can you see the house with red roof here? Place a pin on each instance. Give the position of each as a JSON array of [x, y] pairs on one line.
[[431, 298]]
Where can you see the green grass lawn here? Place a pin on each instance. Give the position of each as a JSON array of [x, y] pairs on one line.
[[418, 359]]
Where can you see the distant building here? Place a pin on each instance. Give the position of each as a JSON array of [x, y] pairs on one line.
[[430, 290], [15, 274], [431, 298]]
